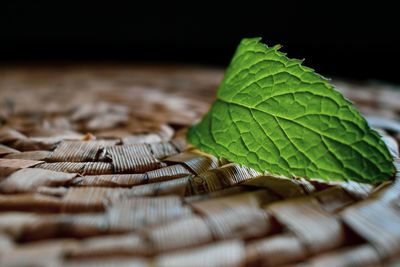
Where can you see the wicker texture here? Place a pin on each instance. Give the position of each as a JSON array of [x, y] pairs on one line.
[[95, 171]]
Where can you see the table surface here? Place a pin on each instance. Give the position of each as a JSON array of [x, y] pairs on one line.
[[95, 170]]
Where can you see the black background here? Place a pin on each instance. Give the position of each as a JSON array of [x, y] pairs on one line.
[[358, 40]]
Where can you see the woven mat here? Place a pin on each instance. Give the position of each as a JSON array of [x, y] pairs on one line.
[[95, 171]]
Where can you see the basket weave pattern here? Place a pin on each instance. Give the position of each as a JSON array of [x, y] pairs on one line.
[[95, 171]]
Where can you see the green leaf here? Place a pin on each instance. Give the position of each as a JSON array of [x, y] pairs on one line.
[[277, 116]]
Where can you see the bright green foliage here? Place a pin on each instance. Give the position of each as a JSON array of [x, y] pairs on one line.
[[277, 116]]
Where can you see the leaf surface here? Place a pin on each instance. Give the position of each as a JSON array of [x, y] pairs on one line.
[[276, 116]]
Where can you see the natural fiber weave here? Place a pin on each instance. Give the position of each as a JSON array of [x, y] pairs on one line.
[[95, 171]]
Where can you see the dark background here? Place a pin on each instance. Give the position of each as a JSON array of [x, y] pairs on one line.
[[359, 40]]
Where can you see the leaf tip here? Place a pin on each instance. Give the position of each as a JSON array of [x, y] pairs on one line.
[[277, 47]]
